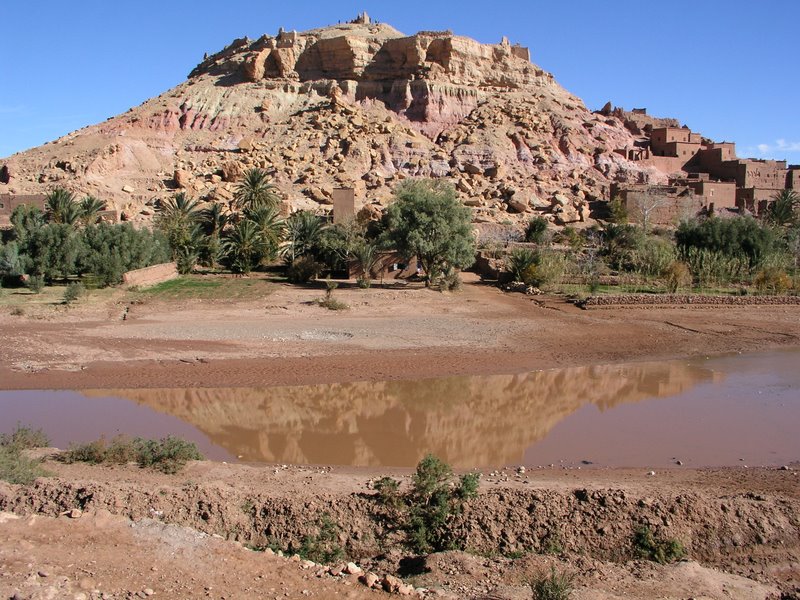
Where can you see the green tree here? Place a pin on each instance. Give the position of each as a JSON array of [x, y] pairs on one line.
[[24, 220], [90, 209], [732, 238], [243, 247], [428, 221], [784, 208], [52, 251], [108, 251], [269, 225], [61, 207], [179, 218], [255, 188], [303, 232]]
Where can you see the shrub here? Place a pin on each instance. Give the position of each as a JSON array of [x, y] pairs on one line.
[[73, 292], [92, 452], [108, 251], [773, 280], [536, 231], [732, 238], [652, 256], [24, 438], [555, 586], [168, 455], [660, 550], [35, 284], [303, 269], [433, 501], [677, 275], [450, 281], [520, 262], [324, 546], [17, 468]]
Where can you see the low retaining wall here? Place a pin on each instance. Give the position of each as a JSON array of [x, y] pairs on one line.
[[684, 299], [151, 275]]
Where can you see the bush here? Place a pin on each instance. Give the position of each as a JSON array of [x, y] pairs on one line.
[[108, 251], [555, 586], [17, 468], [450, 281], [732, 238], [660, 550], [168, 455], [536, 231], [73, 292], [677, 275], [652, 256], [433, 501], [323, 547], [303, 269], [520, 262], [35, 284], [772, 280], [24, 438]]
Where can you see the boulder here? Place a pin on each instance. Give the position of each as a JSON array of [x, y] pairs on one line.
[[391, 584], [182, 178], [515, 205], [560, 199], [5, 174], [232, 171]]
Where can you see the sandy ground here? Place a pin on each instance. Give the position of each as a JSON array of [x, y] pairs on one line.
[[124, 340], [395, 333]]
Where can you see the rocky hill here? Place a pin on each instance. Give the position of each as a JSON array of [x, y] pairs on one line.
[[357, 104]]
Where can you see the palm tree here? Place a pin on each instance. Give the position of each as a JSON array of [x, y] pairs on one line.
[[784, 208], [61, 207], [179, 218], [255, 188], [214, 219], [366, 253], [90, 208], [270, 227], [243, 247], [303, 230]]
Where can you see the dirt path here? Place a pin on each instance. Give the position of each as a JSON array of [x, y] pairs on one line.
[[283, 338]]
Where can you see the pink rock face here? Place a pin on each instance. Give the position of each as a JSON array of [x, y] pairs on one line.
[[357, 105]]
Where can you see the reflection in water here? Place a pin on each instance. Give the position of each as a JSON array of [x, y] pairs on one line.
[[467, 421]]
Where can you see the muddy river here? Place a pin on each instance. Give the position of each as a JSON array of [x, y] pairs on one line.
[[732, 410]]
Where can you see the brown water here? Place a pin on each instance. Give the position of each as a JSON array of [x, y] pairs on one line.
[[703, 412]]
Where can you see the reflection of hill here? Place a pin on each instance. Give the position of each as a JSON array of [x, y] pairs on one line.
[[468, 421]]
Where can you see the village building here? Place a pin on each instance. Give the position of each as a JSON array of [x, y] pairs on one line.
[[711, 170]]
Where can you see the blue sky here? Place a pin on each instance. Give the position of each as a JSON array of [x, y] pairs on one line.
[[728, 69]]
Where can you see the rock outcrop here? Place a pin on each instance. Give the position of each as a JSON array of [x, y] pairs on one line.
[[357, 104]]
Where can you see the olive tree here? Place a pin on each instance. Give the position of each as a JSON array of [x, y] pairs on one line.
[[427, 221]]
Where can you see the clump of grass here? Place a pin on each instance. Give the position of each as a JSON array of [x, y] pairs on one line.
[[660, 550], [555, 586], [168, 455], [15, 466], [329, 301]]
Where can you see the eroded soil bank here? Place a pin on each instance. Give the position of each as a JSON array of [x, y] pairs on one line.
[[743, 522]]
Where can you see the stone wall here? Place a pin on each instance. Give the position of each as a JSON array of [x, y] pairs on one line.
[[151, 275], [684, 299]]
